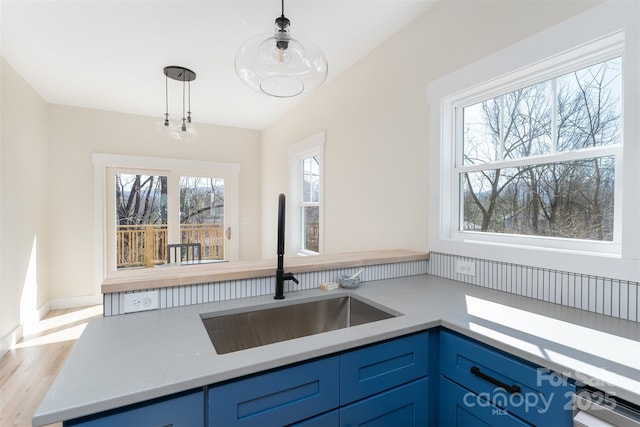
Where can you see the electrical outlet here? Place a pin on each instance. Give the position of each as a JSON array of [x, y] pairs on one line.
[[141, 301], [468, 268]]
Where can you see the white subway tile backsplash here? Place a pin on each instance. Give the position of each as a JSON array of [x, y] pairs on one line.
[[606, 296], [633, 303], [219, 291], [611, 297], [598, 294]]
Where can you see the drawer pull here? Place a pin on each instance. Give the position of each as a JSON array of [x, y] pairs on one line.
[[512, 389]]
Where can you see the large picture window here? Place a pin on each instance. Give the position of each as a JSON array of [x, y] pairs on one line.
[[533, 149], [541, 160], [149, 206], [143, 230]]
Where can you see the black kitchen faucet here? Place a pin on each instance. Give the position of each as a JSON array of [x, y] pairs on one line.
[[281, 276]]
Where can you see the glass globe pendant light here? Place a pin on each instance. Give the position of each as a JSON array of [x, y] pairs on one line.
[[184, 129], [280, 65]]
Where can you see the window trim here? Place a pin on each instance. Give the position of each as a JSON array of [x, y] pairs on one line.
[[311, 145], [594, 35], [103, 163]]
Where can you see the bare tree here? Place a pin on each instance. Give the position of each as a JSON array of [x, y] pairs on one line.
[[140, 199], [569, 199]]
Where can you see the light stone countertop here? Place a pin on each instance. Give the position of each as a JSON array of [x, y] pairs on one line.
[[131, 358]]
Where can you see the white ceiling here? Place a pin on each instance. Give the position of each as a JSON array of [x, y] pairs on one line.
[[110, 54]]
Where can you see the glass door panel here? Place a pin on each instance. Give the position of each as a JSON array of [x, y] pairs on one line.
[[141, 220], [202, 212]]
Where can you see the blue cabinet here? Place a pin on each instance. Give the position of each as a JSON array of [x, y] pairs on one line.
[[512, 386], [331, 418], [276, 398], [437, 378], [372, 369], [388, 383], [460, 407], [181, 410], [381, 384], [403, 406]]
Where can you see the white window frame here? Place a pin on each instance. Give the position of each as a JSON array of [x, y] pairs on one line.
[[601, 33], [593, 53], [310, 146], [106, 164]]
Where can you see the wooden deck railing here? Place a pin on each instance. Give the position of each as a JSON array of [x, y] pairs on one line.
[[146, 245]]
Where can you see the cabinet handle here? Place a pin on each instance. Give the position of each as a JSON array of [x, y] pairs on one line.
[[512, 389]]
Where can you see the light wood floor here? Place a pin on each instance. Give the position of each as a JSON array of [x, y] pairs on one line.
[[27, 371]]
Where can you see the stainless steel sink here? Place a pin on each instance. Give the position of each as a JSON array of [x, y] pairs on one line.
[[247, 329]]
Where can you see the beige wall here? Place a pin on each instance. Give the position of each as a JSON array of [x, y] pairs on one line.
[[375, 115], [376, 119], [47, 244], [24, 195], [76, 133]]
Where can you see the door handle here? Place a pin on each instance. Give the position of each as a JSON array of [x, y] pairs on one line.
[[512, 389], [228, 233]]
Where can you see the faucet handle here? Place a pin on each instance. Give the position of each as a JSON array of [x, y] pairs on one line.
[[289, 276]]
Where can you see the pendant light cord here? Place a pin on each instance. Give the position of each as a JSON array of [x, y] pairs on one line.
[[184, 128], [283, 8], [189, 110], [166, 100]]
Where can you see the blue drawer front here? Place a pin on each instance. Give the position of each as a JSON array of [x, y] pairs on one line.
[[405, 406], [276, 398], [184, 410], [543, 398], [461, 408], [325, 420], [376, 368]]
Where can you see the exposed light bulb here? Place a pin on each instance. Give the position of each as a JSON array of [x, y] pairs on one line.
[[279, 65]]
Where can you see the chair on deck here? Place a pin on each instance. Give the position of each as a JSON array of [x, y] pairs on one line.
[[184, 253]]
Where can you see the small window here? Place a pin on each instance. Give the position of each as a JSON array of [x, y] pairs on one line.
[[310, 204], [306, 195]]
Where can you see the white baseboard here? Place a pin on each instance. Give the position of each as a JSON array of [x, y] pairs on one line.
[[12, 338], [74, 302], [44, 309], [8, 341]]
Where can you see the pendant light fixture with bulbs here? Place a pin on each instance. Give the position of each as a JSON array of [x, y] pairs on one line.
[[183, 130], [280, 65]]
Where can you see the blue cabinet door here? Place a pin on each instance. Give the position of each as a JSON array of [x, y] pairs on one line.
[[379, 367], [181, 410], [404, 406], [523, 389], [276, 398], [330, 419], [460, 407]]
